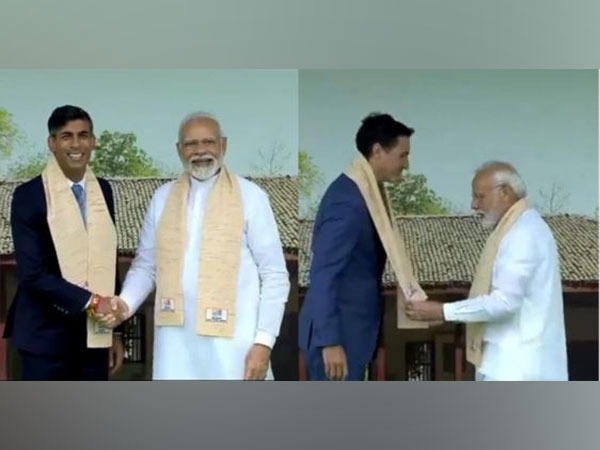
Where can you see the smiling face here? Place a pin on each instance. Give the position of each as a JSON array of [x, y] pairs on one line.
[[72, 146], [389, 164], [201, 148], [385, 143]]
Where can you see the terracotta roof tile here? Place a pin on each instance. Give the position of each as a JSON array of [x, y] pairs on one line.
[[132, 196], [445, 249]]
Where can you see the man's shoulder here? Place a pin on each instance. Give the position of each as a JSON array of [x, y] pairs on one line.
[[530, 225], [530, 231], [30, 188], [105, 184], [160, 194], [29, 200], [251, 189], [343, 190], [344, 183], [163, 189]]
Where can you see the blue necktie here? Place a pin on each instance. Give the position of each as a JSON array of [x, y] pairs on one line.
[[80, 197]]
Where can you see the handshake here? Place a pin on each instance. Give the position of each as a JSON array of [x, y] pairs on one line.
[[108, 311]]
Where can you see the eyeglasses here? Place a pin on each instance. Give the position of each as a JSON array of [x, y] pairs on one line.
[[195, 144]]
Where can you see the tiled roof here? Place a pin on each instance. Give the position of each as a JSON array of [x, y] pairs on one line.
[[445, 249], [132, 196]]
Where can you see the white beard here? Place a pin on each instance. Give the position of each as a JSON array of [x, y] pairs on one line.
[[201, 172], [488, 220]]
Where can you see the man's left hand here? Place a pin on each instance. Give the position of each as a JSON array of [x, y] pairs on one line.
[[426, 311], [115, 314], [116, 354], [257, 363]]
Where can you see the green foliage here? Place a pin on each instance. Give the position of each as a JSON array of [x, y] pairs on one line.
[[310, 179], [9, 134], [28, 168], [116, 155], [411, 196]]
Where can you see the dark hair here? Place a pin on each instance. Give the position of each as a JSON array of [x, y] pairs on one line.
[[382, 129], [67, 113]]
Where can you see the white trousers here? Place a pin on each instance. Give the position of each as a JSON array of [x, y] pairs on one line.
[[481, 377]]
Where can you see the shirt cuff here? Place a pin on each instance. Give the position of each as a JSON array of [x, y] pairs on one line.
[[264, 338], [449, 311], [88, 303], [128, 301]]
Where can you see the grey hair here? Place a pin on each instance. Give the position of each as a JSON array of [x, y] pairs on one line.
[[198, 115], [505, 174]]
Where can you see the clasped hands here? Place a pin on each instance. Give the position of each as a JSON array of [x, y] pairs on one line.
[[424, 310], [111, 311]]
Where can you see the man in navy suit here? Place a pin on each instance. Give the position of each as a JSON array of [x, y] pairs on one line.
[[47, 319], [340, 319]]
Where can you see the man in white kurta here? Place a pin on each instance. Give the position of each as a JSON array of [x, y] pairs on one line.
[[262, 286], [522, 318]]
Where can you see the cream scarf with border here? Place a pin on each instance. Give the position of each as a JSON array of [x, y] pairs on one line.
[[86, 252], [378, 203], [482, 281], [222, 232]]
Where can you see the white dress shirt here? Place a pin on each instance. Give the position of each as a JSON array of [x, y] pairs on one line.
[[82, 184], [524, 337], [263, 288]]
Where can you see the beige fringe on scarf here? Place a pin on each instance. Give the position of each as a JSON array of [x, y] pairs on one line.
[[482, 281], [222, 231], [86, 252], [378, 205]]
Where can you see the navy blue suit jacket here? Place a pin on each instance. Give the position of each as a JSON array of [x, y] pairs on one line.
[[47, 314], [343, 304]]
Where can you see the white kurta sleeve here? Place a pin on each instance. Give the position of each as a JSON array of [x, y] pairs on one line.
[[265, 245], [515, 265], [140, 279]]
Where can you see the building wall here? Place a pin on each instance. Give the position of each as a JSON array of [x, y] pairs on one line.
[[581, 316], [439, 338], [284, 356], [581, 319], [581, 323], [10, 289]]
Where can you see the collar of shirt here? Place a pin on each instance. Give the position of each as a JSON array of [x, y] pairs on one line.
[[204, 184], [80, 183]]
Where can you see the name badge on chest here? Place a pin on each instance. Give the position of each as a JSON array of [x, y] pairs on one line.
[[216, 315], [167, 305]]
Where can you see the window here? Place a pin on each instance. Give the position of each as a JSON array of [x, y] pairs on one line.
[[419, 361], [583, 360], [134, 339], [448, 354]]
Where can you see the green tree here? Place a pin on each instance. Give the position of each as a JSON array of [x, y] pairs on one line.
[[412, 196], [116, 155], [10, 134], [310, 179], [29, 167]]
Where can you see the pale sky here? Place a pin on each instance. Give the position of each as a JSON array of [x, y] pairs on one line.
[[258, 109], [545, 122]]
